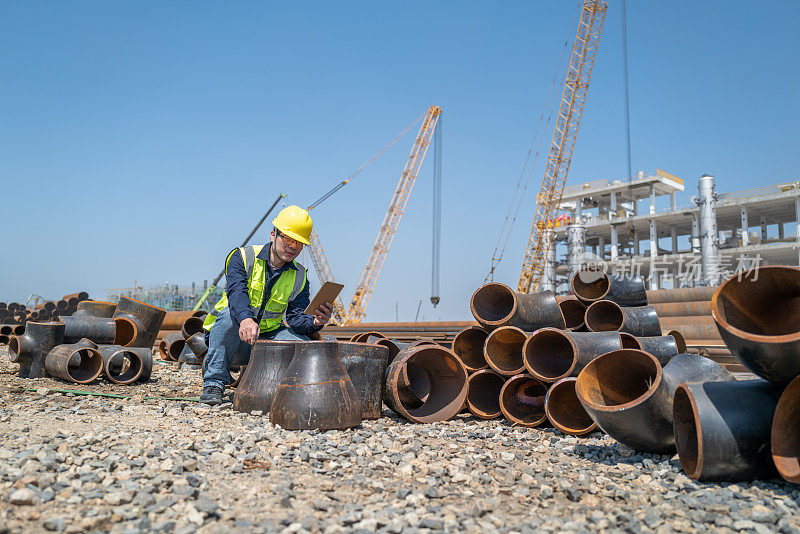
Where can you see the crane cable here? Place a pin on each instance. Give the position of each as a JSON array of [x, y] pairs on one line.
[[366, 164], [548, 108]]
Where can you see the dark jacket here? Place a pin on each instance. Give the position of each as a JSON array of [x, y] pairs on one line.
[[239, 300]]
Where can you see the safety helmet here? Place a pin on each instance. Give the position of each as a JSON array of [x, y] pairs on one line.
[[295, 222]]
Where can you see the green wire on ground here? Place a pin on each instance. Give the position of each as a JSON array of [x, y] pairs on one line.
[[115, 396]]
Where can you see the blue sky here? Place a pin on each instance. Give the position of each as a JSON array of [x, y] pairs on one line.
[[142, 140]]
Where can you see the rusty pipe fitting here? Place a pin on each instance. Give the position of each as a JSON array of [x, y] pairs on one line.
[[522, 400], [483, 394], [722, 429], [564, 410], [122, 365], [758, 316], [260, 379], [170, 346], [96, 308], [191, 326], [197, 344], [680, 341], [436, 375], [316, 392], [785, 438], [98, 329], [80, 362], [550, 354], [7, 329], [365, 364], [468, 346], [362, 337], [591, 286], [495, 305], [145, 319], [173, 320], [30, 349], [604, 316], [629, 395], [574, 312], [503, 350], [662, 347], [74, 298]]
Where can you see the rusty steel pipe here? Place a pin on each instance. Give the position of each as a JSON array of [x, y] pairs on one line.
[[80, 363], [441, 381], [564, 410], [145, 319], [483, 394], [522, 400], [706, 332], [363, 336], [7, 329], [683, 294], [785, 438], [604, 316], [259, 381], [97, 329], [468, 346], [503, 350], [315, 392], [678, 322], [4, 339], [191, 326], [173, 320], [574, 312], [722, 429], [78, 296], [365, 364], [169, 352], [679, 340], [121, 365], [758, 316], [62, 305], [629, 395], [96, 308], [664, 348], [550, 354], [13, 307], [683, 309], [591, 286], [495, 305], [30, 349], [197, 344]]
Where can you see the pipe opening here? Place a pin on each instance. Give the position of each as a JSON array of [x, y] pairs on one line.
[[6, 329], [191, 326], [629, 341], [126, 331], [13, 349], [590, 285], [687, 440], [483, 397], [618, 378], [4, 339], [444, 384], [503, 350], [785, 437], [574, 312], [549, 354], [679, 340], [468, 346], [493, 303], [84, 365], [175, 349], [419, 383], [766, 302], [522, 400], [604, 316], [566, 411], [124, 367]]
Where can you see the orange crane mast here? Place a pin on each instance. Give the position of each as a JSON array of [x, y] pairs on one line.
[[565, 133], [358, 306]]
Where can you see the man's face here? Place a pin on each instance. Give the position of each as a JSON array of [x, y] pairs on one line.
[[286, 248]]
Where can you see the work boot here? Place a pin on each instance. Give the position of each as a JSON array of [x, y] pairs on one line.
[[211, 395]]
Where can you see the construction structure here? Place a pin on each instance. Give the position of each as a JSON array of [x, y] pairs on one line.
[[635, 227], [170, 297]]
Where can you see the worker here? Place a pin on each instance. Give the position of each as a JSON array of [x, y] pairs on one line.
[[252, 273]]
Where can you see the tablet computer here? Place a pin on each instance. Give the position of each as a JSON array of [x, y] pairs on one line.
[[327, 293]]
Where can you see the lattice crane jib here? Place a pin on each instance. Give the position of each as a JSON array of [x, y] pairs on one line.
[[325, 274], [565, 133], [380, 249]]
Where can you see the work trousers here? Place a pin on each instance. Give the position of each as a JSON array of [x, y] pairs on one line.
[[223, 342]]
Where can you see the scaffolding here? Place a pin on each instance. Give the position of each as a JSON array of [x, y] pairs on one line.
[[170, 297]]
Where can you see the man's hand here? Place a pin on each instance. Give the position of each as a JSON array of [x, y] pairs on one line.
[[248, 331], [323, 314]]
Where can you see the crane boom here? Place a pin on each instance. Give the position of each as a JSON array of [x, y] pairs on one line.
[[565, 133], [380, 249]]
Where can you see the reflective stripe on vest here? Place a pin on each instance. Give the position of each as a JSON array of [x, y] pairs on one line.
[[288, 286]]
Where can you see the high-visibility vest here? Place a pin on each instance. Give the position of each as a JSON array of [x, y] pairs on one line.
[[284, 290]]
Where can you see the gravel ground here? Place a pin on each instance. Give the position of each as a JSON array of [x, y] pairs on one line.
[[80, 464]]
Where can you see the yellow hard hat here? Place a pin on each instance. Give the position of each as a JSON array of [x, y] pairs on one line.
[[295, 222]]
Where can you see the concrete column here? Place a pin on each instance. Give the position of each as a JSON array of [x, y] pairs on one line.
[[549, 274], [672, 203], [763, 229], [709, 234], [613, 208], [614, 252], [576, 247], [780, 230], [636, 241], [652, 199], [673, 232], [745, 228], [578, 211], [695, 234], [601, 244], [653, 254]]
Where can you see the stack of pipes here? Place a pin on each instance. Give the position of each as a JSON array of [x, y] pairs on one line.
[[14, 315], [175, 333]]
